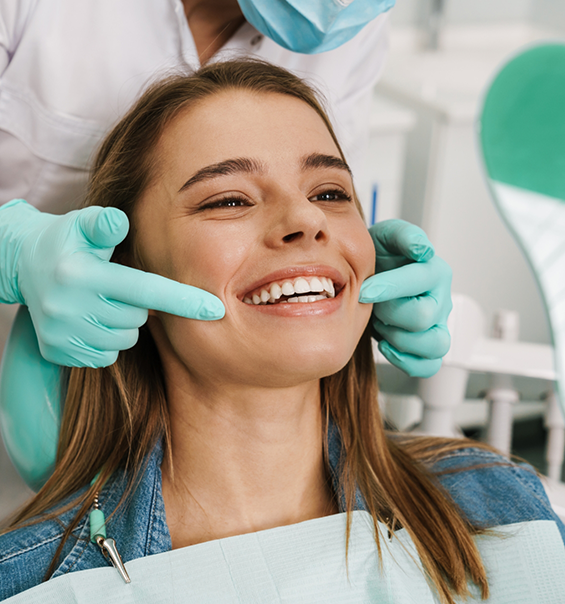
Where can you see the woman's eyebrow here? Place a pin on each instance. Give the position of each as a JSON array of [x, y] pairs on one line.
[[223, 168], [245, 164], [319, 160]]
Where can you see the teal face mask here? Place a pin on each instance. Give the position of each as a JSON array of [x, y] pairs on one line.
[[312, 26]]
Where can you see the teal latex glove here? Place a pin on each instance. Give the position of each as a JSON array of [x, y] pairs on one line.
[[30, 404], [85, 309], [411, 293]]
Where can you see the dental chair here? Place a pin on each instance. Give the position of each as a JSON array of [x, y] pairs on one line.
[[521, 139], [521, 132]]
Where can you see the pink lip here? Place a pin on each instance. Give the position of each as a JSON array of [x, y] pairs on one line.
[[297, 271]]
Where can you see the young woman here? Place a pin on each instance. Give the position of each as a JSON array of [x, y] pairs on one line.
[[50, 128], [234, 182]]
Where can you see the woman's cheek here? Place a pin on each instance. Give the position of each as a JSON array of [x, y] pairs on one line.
[[209, 258], [361, 251]]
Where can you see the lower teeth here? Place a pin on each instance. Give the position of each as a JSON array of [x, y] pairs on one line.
[[304, 299], [292, 300]]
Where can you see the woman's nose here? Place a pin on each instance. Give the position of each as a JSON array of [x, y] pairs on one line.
[[300, 234], [298, 221]]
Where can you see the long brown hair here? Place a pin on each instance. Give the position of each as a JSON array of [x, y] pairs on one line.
[[113, 416]]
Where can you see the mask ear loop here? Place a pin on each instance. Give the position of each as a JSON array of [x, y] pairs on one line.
[[98, 535]]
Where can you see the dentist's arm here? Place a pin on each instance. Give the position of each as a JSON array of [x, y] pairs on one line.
[[84, 308], [31, 391], [411, 293]]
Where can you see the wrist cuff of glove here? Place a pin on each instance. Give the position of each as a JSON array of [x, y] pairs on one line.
[[12, 228]]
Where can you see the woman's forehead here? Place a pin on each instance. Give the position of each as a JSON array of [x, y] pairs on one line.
[[267, 126]]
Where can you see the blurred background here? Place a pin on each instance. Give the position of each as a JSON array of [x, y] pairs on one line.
[[423, 166]]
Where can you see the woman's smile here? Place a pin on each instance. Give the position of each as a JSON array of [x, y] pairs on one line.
[[297, 291]]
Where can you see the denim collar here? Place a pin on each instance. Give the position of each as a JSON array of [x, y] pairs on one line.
[[139, 526]]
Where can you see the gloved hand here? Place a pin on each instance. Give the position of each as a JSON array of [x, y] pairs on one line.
[[411, 293], [85, 309]]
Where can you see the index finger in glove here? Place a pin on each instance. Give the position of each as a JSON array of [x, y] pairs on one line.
[[401, 238], [147, 290], [117, 315], [406, 281]]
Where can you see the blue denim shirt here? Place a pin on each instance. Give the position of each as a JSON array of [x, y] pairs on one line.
[[489, 495]]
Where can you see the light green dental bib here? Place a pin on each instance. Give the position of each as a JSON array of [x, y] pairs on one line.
[[306, 563]]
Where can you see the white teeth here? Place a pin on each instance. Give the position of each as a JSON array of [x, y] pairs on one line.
[[316, 285], [287, 288], [301, 286], [276, 291]]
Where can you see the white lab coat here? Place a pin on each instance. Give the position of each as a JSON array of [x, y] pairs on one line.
[[69, 69]]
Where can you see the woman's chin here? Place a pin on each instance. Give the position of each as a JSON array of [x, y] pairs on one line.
[[296, 369]]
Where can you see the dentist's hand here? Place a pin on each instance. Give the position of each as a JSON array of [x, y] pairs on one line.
[[84, 308], [411, 293]]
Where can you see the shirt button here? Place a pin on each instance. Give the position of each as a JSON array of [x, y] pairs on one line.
[[255, 40]]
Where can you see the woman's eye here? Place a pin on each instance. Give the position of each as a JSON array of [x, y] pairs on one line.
[[332, 195], [228, 202]]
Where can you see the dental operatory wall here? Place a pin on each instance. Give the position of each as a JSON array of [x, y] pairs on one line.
[[549, 14], [545, 13]]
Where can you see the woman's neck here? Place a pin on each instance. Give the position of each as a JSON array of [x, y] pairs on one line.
[[212, 23], [244, 460]]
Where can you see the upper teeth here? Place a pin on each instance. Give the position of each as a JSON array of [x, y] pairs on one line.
[[322, 287]]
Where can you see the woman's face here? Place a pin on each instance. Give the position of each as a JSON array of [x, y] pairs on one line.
[[252, 202]]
